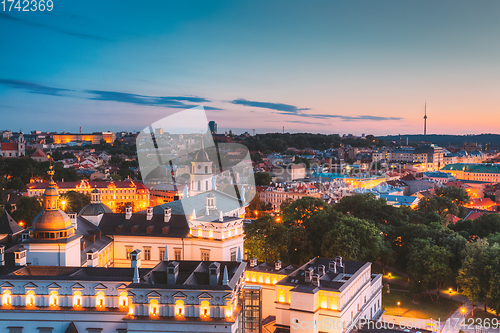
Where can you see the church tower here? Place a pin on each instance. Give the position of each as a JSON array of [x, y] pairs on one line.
[[53, 241], [201, 175]]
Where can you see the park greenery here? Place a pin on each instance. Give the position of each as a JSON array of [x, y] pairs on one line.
[[420, 242]]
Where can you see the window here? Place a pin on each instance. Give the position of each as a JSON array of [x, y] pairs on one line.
[[45, 329], [206, 169], [205, 255], [147, 253], [153, 308], [99, 300], [15, 329], [177, 254], [123, 300], [179, 308], [205, 309], [54, 298], [129, 250], [162, 253], [233, 254], [77, 299], [30, 298], [6, 298]]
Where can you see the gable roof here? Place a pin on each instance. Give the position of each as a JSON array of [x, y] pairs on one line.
[[9, 145], [8, 225], [138, 225]]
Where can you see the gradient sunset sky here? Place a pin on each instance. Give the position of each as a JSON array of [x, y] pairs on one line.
[[311, 66]]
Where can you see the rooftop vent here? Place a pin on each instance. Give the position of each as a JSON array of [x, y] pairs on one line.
[[253, 262], [149, 213], [277, 265], [128, 212], [167, 214]]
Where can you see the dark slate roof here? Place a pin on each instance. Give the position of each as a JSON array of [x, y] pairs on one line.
[[138, 225], [71, 328], [94, 209], [69, 273], [193, 275], [330, 281], [224, 202], [268, 267], [8, 225], [93, 237]]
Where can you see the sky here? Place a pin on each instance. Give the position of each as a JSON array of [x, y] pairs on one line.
[[308, 66]]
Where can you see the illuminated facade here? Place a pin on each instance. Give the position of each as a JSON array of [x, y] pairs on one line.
[[175, 296], [484, 172], [327, 291], [112, 193], [94, 138]]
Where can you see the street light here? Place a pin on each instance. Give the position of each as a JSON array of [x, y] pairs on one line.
[[450, 290], [390, 276], [63, 204], [399, 308]]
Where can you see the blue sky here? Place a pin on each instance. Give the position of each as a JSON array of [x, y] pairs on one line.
[[322, 66]]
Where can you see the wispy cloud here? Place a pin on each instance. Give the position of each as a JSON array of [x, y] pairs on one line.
[[284, 108], [176, 102], [4, 16], [33, 87], [296, 111]]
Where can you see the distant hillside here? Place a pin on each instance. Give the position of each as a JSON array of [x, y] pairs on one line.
[[444, 140]]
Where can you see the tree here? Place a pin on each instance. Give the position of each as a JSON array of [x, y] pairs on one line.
[[116, 159], [457, 195], [428, 265], [27, 208], [255, 207], [263, 178], [353, 239], [121, 206], [441, 205], [266, 240], [73, 201], [471, 277]]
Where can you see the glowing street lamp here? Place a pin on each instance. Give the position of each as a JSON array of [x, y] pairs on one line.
[[63, 203], [390, 275], [450, 290], [399, 308]]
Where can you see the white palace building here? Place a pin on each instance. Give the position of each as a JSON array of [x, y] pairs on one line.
[[163, 270]]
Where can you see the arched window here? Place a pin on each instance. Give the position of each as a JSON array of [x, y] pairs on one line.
[[6, 298], [154, 308], [30, 298], [99, 300], [77, 299], [199, 185], [210, 234], [123, 299], [229, 309], [200, 233], [179, 308], [53, 298], [205, 309]]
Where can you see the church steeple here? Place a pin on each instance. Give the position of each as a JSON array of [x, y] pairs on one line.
[[51, 195]]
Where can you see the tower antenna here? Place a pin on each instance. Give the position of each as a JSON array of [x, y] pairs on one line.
[[425, 119]]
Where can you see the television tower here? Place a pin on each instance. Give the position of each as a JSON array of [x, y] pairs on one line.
[[425, 120]]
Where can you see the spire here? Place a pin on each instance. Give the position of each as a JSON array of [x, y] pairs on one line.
[[136, 275], [165, 257], [51, 195], [225, 280], [238, 256]]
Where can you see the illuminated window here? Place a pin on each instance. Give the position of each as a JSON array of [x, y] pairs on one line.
[[210, 234], [6, 298], [123, 299], [77, 299], [229, 309], [205, 309], [99, 299], [154, 309], [179, 308], [131, 309], [200, 233], [54, 298], [30, 298], [268, 280], [261, 280], [205, 255], [324, 302]]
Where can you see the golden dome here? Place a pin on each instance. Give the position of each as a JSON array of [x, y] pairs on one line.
[[52, 220]]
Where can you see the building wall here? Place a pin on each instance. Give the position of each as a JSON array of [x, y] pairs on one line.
[[54, 254]]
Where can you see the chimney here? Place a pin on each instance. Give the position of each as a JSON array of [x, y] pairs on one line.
[[128, 212], [149, 213], [92, 258], [253, 262], [167, 214], [338, 259], [135, 259], [315, 280], [172, 272], [20, 256], [321, 270], [333, 267], [277, 265], [214, 272], [221, 217], [2, 255], [72, 217], [308, 274]]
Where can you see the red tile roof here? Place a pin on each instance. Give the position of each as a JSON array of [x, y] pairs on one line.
[[9, 145]]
